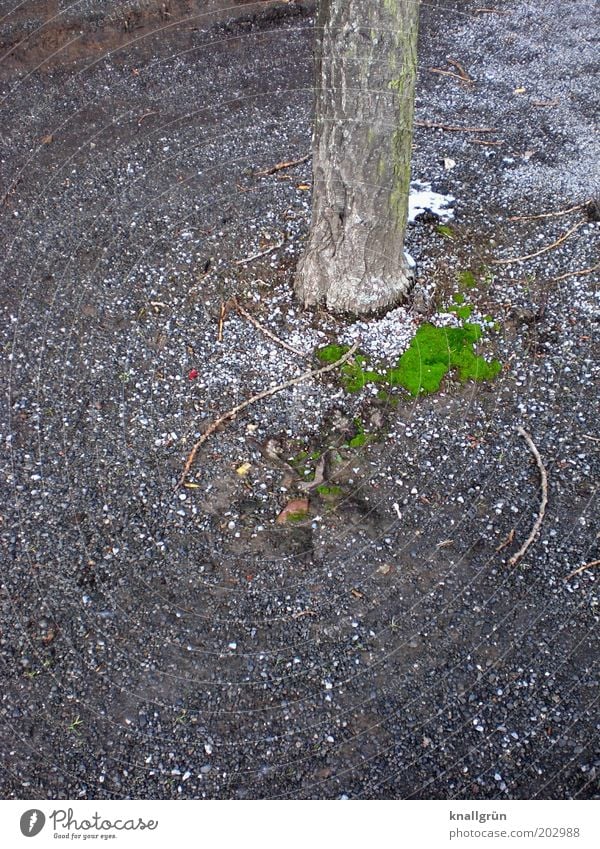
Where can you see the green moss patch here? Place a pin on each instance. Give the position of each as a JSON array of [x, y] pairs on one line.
[[330, 492], [434, 352], [431, 355]]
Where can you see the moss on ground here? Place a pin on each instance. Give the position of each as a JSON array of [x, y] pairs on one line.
[[431, 355]]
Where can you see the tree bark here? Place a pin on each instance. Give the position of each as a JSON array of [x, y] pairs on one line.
[[366, 62]]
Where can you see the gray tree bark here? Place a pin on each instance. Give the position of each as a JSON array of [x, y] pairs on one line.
[[366, 62]]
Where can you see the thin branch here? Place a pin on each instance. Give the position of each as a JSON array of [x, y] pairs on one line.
[[222, 314], [541, 251], [281, 165], [450, 74], [261, 253], [435, 125], [582, 569], [553, 214], [509, 538], [265, 330], [484, 141], [581, 273], [542, 509], [143, 117], [266, 393]]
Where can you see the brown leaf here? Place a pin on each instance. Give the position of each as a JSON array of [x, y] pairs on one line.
[[47, 139], [294, 510]]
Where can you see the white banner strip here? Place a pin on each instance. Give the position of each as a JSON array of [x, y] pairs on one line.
[[301, 825]]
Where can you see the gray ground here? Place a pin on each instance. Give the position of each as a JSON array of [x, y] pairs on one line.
[[161, 644]]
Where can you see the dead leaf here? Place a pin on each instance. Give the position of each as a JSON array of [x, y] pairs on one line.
[[47, 139], [295, 510], [303, 187], [385, 568], [520, 90], [243, 470], [449, 164], [189, 485]]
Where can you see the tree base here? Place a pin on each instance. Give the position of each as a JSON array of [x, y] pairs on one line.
[[322, 280]]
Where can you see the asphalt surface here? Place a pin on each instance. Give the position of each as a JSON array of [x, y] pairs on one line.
[[180, 643]]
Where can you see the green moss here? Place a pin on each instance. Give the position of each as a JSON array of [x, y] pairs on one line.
[[331, 353], [431, 355], [434, 352], [466, 279], [446, 231], [330, 492], [299, 516]]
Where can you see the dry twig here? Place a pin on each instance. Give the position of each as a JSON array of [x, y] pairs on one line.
[[266, 393], [281, 165], [265, 330], [554, 214], [509, 538], [451, 74], [435, 125], [486, 142], [261, 253], [542, 509], [222, 314], [581, 273], [582, 569], [456, 64], [541, 251], [143, 117]]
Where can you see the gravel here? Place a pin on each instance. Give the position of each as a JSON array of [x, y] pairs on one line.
[[182, 644]]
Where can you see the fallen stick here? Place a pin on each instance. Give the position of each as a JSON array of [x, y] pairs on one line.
[[460, 69], [581, 273], [265, 330], [553, 214], [509, 538], [450, 74], [541, 251], [222, 313], [261, 253], [435, 125], [281, 165], [231, 414], [582, 569], [542, 509], [144, 116]]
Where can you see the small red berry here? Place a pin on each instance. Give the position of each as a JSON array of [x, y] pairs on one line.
[[193, 374]]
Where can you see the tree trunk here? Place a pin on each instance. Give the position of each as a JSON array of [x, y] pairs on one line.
[[366, 62]]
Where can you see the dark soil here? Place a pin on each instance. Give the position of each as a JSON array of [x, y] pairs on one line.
[[180, 643]]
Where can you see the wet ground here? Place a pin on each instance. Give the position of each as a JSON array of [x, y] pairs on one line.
[[163, 642]]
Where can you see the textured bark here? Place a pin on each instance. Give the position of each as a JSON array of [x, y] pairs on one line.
[[366, 61]]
